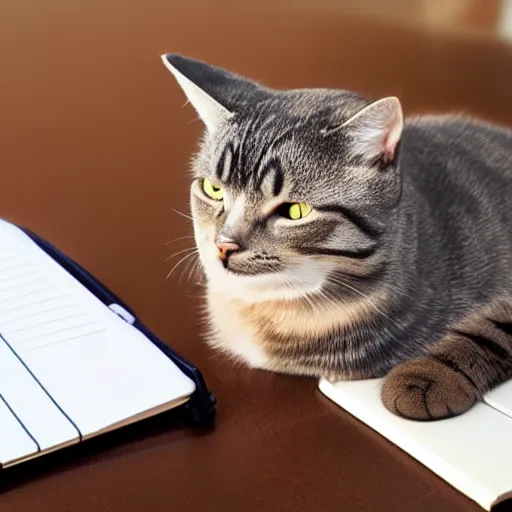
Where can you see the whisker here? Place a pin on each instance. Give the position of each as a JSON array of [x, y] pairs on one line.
[[199, 277], [188, 249], [178, 239], [320, 294], [186, 268], [195, 269], [294, 284], [312, 298], [181, 213], [192, 121], [179, 263], [365, 297]]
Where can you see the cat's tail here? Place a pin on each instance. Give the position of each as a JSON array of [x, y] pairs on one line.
[[474, 357]]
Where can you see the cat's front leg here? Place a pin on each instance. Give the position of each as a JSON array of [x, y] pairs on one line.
[[474, 357]]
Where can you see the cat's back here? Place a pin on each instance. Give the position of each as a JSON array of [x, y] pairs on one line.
[[453, 141], [448, 155], [457, 183]]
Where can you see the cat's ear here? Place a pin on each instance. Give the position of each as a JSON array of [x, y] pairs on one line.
[[212, 91], [375, 130]]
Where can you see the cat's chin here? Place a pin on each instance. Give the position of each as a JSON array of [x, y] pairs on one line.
[[291, 284]]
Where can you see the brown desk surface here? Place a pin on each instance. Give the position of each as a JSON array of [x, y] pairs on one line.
[[94, 148]]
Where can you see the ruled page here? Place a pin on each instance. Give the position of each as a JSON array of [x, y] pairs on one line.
[[100, 370]]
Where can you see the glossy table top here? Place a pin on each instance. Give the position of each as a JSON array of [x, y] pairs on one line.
[[94, 149]]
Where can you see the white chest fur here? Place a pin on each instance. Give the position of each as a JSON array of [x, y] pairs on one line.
[[233, 334]]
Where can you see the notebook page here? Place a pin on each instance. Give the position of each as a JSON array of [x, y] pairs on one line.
[[47, 425], [98, 368], [472, 452], [501, 399], [15, 443]]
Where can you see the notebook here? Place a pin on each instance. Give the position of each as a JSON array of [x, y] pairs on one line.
[[74, 361], [472, 452]]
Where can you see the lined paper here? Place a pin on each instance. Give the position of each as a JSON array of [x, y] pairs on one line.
[[96, 367], [36, 312]]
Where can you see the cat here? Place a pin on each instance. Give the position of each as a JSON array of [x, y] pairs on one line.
[[339, 240]]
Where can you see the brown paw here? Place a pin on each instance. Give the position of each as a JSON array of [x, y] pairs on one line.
[[425, 389]]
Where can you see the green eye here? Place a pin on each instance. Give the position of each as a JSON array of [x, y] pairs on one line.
[[296, 211], [212, 191]]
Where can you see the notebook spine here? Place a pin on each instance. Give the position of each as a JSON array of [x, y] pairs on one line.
[[202, 407]]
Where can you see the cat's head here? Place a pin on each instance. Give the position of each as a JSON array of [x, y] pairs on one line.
[[290, 187]]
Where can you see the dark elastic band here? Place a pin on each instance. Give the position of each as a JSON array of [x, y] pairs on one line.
[[42, 387], [22, 425]]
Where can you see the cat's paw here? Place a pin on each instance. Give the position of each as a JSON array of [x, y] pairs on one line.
[[425, 389]]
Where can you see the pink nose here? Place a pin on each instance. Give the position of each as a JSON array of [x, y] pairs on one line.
[[226, 247]]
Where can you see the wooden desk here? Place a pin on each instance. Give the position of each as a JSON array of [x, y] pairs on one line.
[[95, 144]]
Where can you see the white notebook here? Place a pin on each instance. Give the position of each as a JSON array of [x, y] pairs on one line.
[[472, 452], [70, 366]]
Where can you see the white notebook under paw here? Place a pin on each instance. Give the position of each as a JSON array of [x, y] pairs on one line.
[[472, 452]]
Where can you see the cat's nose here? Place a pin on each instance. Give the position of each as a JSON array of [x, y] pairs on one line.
[[226, 247]]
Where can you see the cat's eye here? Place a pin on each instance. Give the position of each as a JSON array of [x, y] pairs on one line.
[[295, 211], [212, 191]]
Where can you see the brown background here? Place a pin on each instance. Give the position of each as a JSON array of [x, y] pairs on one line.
[[94, 150]]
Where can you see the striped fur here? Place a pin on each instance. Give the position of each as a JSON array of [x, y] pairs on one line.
[[404, 266], [472, 358]]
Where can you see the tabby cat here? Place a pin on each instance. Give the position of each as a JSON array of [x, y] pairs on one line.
[[339, 241]]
